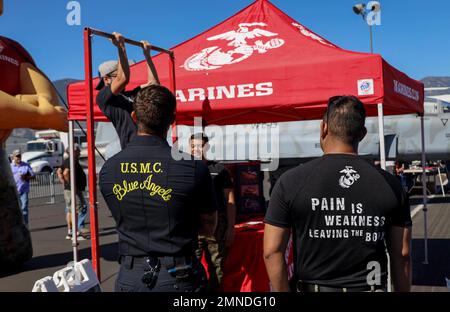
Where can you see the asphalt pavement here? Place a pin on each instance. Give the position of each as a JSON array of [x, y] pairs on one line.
[[52, 251]]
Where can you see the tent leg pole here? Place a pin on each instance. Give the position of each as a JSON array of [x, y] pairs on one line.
[[383, 166], [72, 193], [381, 135], [440, 180], [173, 88], [424, 192], [92, 175]]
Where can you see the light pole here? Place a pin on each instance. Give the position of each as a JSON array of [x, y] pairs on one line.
[[374, 7]]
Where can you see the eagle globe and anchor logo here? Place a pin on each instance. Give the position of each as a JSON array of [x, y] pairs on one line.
[[240, 48], [349, 177]]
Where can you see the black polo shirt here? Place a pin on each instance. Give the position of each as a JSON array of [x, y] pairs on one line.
[[155, 200], [118, 109], [340, 208], [80, 176], [221, 180]]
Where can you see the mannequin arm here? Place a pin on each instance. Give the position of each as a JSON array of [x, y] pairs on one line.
[[15, 113], [33, 81], [35, 107]]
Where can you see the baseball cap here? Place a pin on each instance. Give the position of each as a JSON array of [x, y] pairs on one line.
[[16, 152], [104, 69], [107, 68]]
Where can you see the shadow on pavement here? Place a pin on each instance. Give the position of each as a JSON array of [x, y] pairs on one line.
[[48, 228], [436, 199], [108, 252], [438, 267]]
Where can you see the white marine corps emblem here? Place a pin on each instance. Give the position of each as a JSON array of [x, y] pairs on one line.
[[307, 33], [350, 176], [1, 47], [240, 47]]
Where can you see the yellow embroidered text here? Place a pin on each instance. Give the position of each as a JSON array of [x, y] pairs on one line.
[[120, 190]]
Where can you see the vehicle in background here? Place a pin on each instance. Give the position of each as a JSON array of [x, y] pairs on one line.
[[46, 152]]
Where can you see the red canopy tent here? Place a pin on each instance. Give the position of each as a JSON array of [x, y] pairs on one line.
[[260, 66]]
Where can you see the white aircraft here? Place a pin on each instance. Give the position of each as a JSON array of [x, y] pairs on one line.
[[300, 139]]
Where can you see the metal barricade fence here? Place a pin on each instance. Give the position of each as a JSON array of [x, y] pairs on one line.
[[44, 185]]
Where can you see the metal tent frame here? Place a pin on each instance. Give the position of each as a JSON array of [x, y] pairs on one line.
[[424, 189], [92, 176]]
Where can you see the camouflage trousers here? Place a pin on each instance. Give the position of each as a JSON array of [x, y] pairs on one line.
[[214, 250], [15, 240]]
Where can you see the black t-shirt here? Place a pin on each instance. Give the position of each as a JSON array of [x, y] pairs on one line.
[[221, 180], [80, 176], [340, 208], [155, 200], [118, 109]]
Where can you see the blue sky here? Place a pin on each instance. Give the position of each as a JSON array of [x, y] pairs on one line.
[[414, 35]]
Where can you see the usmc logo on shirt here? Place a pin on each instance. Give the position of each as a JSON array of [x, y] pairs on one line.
[[349, 177]]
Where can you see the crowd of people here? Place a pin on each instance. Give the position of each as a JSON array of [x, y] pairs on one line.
[[342, 212]]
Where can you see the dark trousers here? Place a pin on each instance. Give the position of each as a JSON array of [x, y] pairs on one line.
[[132, 270]]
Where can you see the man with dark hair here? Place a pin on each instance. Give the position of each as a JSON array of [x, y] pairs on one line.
[[63, 174], [113, 100], [215, 246], [343, 213], [160, 205], [158, 116]]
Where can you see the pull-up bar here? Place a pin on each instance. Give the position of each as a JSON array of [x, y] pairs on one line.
[[129, 41], [92, 175]]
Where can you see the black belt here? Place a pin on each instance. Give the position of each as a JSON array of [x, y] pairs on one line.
[[307, 287], [168, 262], [179, 267]]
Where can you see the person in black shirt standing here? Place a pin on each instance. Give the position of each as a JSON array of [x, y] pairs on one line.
[[343, 213], [160, 205], [113, 100], [80, 177], [215, 246]]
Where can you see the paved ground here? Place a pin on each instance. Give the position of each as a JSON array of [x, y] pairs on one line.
[[431, 276], [52, 251]]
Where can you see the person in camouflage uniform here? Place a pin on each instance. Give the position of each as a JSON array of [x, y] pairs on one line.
[[215, 247]]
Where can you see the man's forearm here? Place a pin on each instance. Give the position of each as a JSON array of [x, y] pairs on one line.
[[231, 215], [277, 271], [208, 224], [153, 78], [123, 68], [399, 247], [401, 273], [123, 72], [61, 179]]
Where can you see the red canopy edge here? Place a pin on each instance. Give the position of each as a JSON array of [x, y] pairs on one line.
[[260, 65]]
